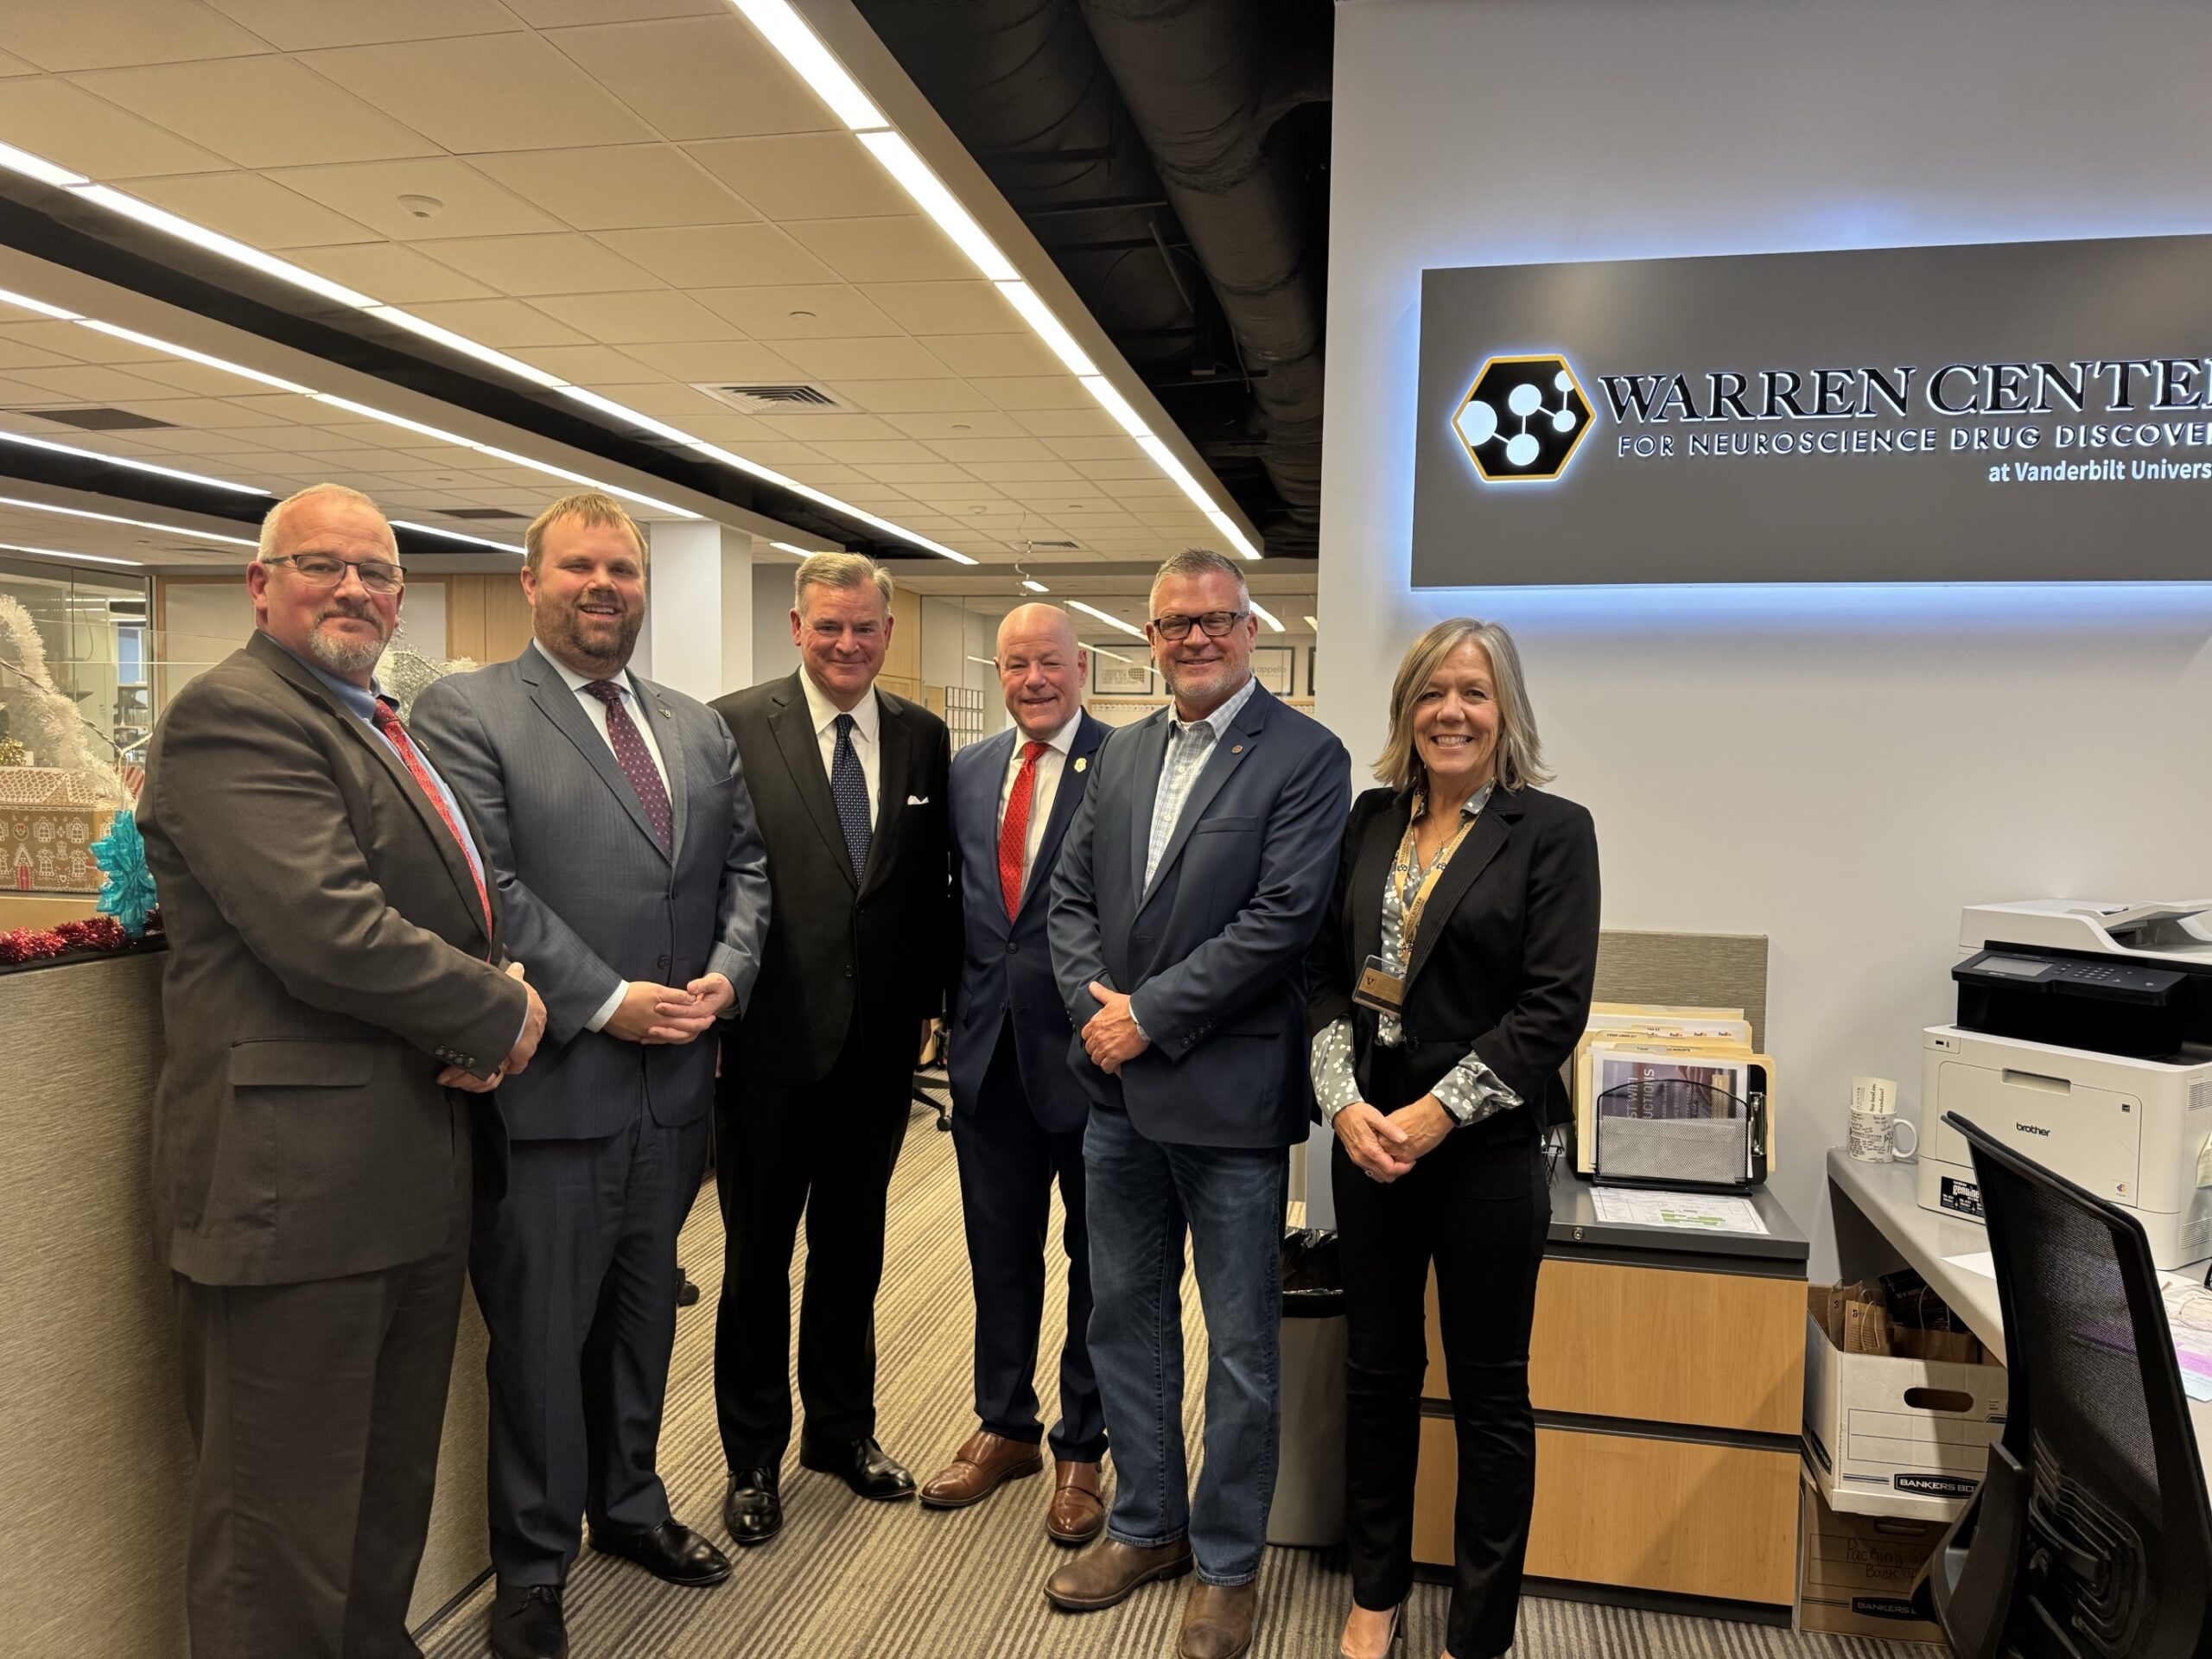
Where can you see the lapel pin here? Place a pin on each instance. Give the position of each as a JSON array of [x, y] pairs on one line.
[[1083, 763], [1236, 748]]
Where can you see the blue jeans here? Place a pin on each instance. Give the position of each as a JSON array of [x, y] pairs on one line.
[[1143, 1196]]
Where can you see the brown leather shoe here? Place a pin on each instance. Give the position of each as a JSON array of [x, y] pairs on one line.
[[984, 1461], [1078, 1511], [1103, 1576], [1218, 1621]]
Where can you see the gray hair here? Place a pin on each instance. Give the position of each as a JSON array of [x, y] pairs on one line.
[[838, 570], [1520, 752], [274, 521], [1197, 562]]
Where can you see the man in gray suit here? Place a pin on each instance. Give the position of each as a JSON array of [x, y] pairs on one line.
[[333, 994], [623, 843]]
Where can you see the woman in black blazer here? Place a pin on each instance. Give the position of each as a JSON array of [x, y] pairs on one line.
[[1449, 982]]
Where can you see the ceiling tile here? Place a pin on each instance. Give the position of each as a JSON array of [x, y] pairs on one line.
[[959, 423], [484, 92], [16, 352], [469, 203], [970, 308], [958, 496], [717, 360], [68, 125], [1135, 467], [664, 398], [800, 311], [386, 271], [719, 256], [827, 428], [261, 112], [968, 451], [503, 324], [562, 14], [12, 65], [99, 33], [304, 25], [739, 431], [1117, 448], [196, 378], [885, 250], [1088, 421], [1048, 392], [873, 452], [96, 384], [707, 77], [780, 453], [902, 473], [584, 366], [893, 357], [633, 319], [618, 186], [982, 357], [73, 344], [912, 396], [254, 209], [1027, 472], [793, 175], [525, 265], [823, 476]]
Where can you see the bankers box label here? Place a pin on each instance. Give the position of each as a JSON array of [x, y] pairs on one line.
[[2018, 412]]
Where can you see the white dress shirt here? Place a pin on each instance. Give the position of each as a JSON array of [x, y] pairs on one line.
[[595, 711], [867, 743], [1046, 785]]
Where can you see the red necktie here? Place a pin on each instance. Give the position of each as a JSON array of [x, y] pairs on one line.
[[1014, 834], [387, 722]]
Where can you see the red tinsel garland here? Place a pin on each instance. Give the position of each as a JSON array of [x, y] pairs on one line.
[[41, 945]]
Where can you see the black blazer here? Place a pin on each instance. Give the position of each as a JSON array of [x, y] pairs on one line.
[[835, 944], [1505, 956]]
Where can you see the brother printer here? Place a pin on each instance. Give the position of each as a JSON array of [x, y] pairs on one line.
[[2083, 1042]]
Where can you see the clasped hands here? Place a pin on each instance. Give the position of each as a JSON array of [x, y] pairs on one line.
[[1110, 1036], [647, 1013], [533, 1027], [1387, 1145]]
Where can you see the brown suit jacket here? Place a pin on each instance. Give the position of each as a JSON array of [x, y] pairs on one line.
[[327, 957]]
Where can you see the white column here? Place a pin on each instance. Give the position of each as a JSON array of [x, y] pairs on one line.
[[698, 635]]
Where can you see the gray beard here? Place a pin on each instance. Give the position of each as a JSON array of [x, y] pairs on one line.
[[343, 655]]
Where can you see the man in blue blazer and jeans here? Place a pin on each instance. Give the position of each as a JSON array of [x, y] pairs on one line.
[[1018, 1110], [1193, 879]]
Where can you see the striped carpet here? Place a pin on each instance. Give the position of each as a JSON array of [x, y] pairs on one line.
[[849, 1580]]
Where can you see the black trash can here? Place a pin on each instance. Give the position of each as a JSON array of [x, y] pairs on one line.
[[1309, 1501]]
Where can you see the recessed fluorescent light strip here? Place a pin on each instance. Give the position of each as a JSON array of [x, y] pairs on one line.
[[52, 447], [40, 308], [456, 536], [1034, 585], [115, 518], [1266, 615], [1313, 625], [1107, 617], [782, 27], [58, 553], [792, 39]]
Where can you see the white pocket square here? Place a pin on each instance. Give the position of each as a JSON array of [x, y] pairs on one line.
[[918, 800]]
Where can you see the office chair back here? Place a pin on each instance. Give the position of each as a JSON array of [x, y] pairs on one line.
[[2091, 1537]]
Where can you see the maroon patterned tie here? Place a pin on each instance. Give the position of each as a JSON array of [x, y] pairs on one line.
[[636, 762]]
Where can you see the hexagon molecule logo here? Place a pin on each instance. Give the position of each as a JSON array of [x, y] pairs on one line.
[[1524, 418]]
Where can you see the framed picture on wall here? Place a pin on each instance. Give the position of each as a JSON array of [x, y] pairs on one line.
[[1114, 677], [1310, 683], [1274, 666]]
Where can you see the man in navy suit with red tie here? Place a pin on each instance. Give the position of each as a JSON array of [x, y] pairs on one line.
[[1018, 1110]]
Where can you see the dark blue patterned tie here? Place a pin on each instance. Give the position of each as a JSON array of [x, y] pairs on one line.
[[848, 788]]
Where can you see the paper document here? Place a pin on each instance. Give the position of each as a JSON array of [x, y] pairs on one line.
[[2188, 1316], [1712, 1212]]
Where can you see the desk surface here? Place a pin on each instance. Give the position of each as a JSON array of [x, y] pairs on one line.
[[1888, 1196], [1575, 1226]]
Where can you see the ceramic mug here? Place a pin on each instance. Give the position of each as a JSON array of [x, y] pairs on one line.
[[1874, 1137]]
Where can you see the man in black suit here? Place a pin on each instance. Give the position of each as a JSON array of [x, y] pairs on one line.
[[850, 785], [1018, 1109]]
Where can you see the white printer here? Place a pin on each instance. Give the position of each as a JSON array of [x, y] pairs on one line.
[[2083, 1042]]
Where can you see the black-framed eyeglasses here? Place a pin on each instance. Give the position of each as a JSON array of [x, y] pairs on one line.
[[328, 570], [1217, 623]]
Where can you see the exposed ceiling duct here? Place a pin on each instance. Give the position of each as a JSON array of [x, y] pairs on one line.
[[1171, 156]]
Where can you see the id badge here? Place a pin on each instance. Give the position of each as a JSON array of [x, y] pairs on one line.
[[1379, 989]]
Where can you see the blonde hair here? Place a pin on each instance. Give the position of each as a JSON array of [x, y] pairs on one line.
[[272, 523], [838, 570], [1520, 759], [593, 508]]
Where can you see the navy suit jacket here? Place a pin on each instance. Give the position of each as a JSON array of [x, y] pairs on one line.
[[1212, 952], [1006, 967], [591, 899]]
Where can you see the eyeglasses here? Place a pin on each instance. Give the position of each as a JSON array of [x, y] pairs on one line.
[[1217, 623], [326, 570]]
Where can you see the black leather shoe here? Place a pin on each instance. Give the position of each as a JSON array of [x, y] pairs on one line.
[[861, 1465], [751, 1509], [527, 1623], [670, 1552], [686, 1292]]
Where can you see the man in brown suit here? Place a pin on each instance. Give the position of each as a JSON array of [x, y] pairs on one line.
[[333, 994]]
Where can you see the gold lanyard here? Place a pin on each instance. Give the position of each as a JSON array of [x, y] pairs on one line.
[[1402, 868]]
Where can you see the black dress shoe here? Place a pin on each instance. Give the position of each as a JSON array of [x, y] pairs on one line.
[[527, 1622], [686, 1292], [861, 1465], [670, 1552], [751, 1509]]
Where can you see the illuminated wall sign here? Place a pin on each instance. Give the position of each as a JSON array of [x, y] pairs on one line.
[[2013, 412]]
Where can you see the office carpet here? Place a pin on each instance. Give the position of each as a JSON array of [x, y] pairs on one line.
[[849, 1580]]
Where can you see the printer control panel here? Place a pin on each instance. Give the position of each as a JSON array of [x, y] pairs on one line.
[[2123, 981]]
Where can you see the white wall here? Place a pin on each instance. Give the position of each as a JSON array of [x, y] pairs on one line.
[[774, 654], [1840, 770]]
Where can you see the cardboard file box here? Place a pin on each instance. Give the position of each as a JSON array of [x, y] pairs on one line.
[[1907, 1438], [1856, 1572]]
